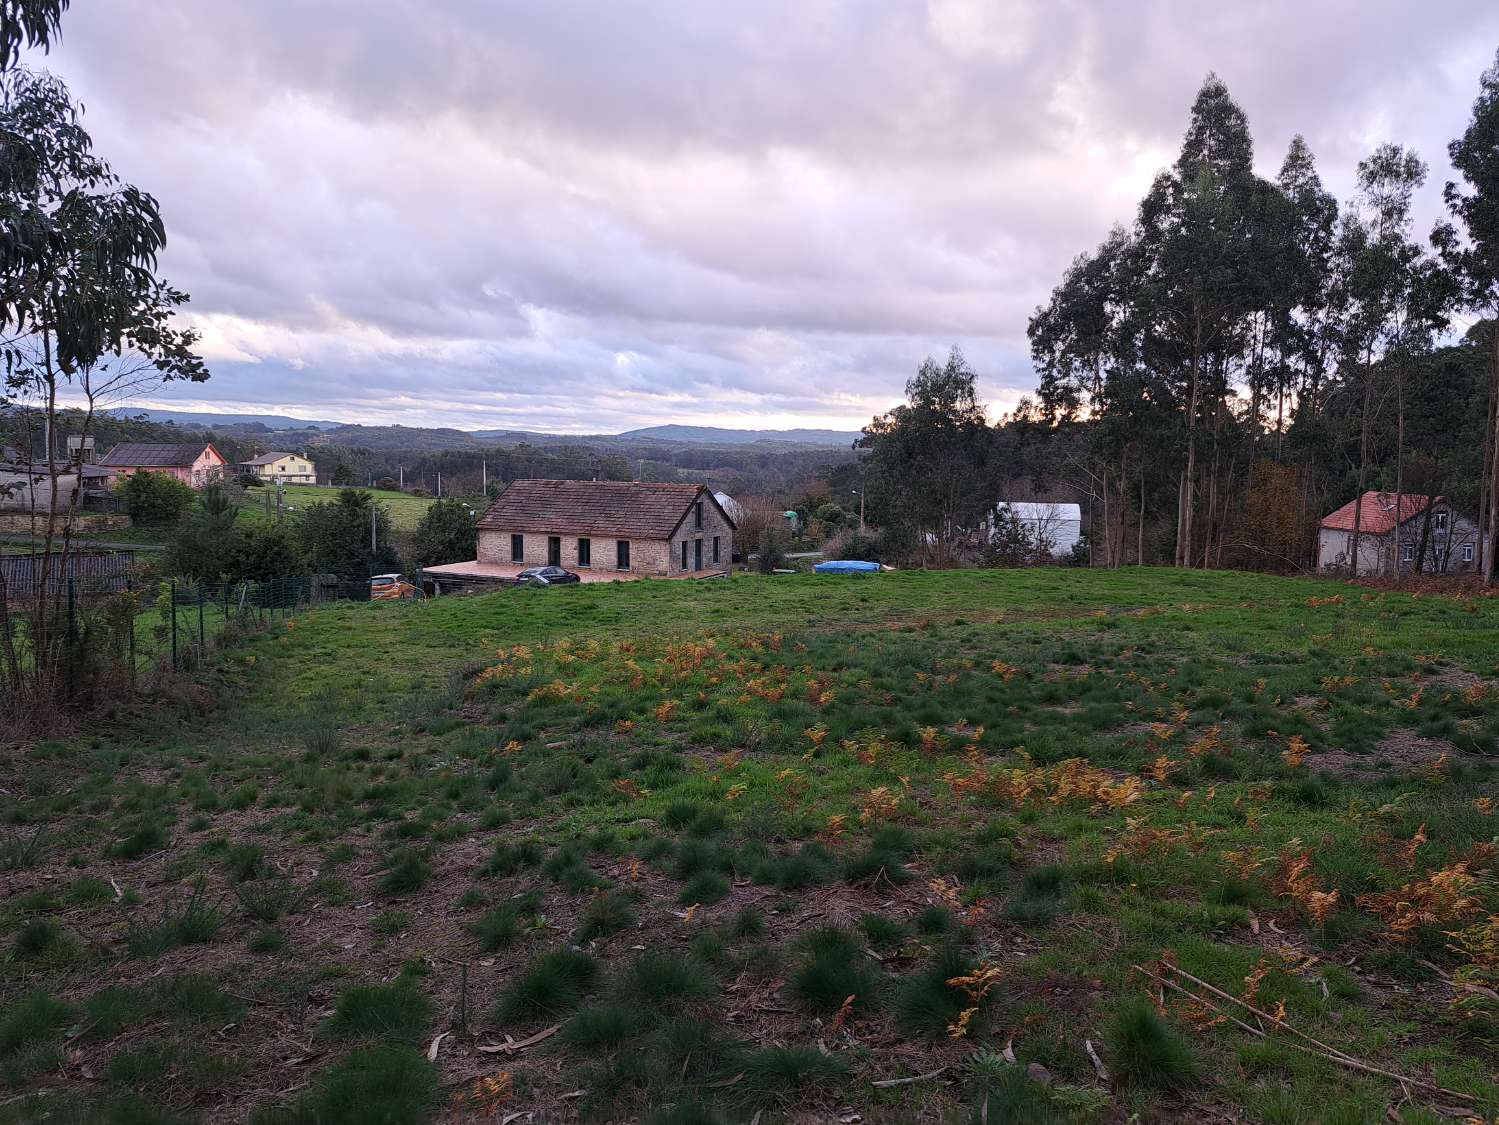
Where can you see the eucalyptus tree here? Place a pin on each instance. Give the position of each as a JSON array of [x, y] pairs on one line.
[[927, 458], [27, 23], [1475, 204], [1390, 298], [1200, 232], [83, 314]]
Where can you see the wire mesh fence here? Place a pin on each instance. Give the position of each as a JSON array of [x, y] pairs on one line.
[[72, 642]]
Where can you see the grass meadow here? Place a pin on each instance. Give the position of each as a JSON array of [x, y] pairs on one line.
[[1020, 846]]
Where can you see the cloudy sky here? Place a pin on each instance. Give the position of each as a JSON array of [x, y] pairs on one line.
[[583, 217]]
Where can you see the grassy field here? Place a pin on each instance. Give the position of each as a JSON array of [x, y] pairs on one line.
[[405, 511], [992, 846]]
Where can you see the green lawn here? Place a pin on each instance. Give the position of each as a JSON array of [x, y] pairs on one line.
[[405, 511], [747, 849]]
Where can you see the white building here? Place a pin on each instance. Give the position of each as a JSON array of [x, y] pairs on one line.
[[1054, 528]]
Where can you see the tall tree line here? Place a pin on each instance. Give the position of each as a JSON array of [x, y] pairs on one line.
[[1248, 341]]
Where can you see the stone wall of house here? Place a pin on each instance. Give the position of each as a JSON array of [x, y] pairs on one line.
[[647, 556], [714, 525], [1445, 546]]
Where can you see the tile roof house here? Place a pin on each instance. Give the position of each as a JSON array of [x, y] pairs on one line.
[[1389, 538], [292, 468], [600, 530], [194, 464]]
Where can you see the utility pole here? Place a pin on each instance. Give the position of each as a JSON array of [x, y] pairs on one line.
[[402, 470], [373, 545], [439, 484], [483, 477]]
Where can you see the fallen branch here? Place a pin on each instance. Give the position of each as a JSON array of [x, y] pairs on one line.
[[1321, 1050], [886, 1083], [510, 1046]]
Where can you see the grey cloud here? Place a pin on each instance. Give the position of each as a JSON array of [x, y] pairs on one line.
[[465, 212]]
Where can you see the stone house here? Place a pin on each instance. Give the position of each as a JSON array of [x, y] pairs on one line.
[[292, 468], [194, 465], [626, 527], [1451, 540]]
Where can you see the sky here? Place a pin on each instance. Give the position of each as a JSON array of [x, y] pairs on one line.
[[586, 217]]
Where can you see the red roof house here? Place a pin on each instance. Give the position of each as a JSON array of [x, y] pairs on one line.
[[1392, 535]]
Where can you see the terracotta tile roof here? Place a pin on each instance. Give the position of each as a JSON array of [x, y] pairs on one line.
[[1379, 512], [154, 455], [598, 507]]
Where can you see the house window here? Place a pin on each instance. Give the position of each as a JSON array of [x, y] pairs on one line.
[[1467, 552], [684, 554], [697, 515], [622, 555], [1407, 552], [1439, 520], [585, 552], [517, 548], [697, 554], [715, 548]]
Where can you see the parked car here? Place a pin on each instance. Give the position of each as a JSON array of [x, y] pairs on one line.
[[391, 587], [546, 576]]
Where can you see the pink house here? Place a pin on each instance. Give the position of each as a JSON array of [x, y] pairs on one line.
[[194, 465]]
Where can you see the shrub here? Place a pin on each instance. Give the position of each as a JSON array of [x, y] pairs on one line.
[[156, 498], [31, 1036], [704, 889], [834, 969], [925, 1004], [663, 978], [608, 913], [1147, 1051], [406, 872], [397, 1013], [552, 983], [196, 922], [603, 1025], [142, 839], [372, 1086], [775, 1073]]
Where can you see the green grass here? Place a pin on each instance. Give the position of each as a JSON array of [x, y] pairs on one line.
[[687, 821]]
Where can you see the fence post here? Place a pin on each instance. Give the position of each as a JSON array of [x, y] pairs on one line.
[[72, 649], [174, 624], [130, 591]]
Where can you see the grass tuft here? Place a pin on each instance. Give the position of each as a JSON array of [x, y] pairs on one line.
[[552, 983], [396, 1013], [1147, 1051]]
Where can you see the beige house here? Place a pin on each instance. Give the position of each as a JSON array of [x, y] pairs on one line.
[[625, 528], [292, 468]]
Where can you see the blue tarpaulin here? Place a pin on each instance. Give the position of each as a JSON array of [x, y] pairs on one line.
[[845, 566]]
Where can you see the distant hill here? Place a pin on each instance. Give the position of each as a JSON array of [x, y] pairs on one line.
[[714, 435], [293, 430], [204, 420]]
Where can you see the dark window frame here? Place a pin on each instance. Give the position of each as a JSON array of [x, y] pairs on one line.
[[621, 554], [697, 516], [585, 553], [717, 554], [684, 554], [517, 548]]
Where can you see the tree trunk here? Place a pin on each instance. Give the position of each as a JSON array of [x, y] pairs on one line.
[[1399, 469], [1140, 527], [1188, 487], [1363, 461], [1493, 444]]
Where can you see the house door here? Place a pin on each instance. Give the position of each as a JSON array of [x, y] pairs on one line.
[[554, 550], [697, 554]]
